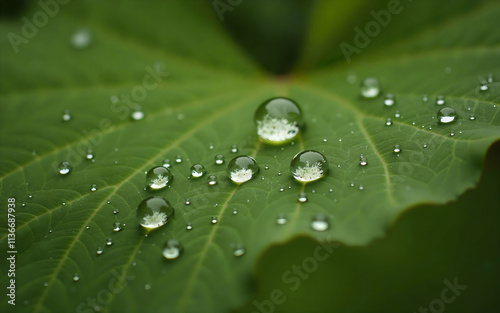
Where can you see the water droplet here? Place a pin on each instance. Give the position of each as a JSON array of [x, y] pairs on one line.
[[116, 211], [491, 78], [235, 211], [302, 197], [440, 100], [166, 163], [388, 121], [154, 212], [189, 226], [389, 100], [281, 219], [320, 222], [370, 87], [278, 120], [137, 114], [242, 168], [362, 161], [279, 173], [214, 220], [198, 170], [361, 187], [64, 168], [64, 203], [397, 149], [239, 250], [309, 165], [425, 98], [282, 188], [109, 242], [178, 159], [234, 148], [117, 226], [87, 227], [187, 202], [147, 287], [446, 115], [158, 177], [472, 117], [397, 114], [81, 38], [425, 145], [66, 116], [212, 180], [93, 187], [90, 155], [99, 251], [172, 249], [452, 133], [324, 139], [219, 159], [46, 283], [76, 277], [483, 85]]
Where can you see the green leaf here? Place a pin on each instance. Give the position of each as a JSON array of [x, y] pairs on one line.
[[198, 88]]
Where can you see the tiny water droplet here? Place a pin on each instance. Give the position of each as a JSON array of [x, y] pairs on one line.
[[362, 161], [66, 116], [324, 139], [166, 163], [87, 227], [239, 250], [452, 133], [116, 211], [389, 100], [440, 100], [90, 155], [212, 180], [64, 203], [64, 168], [234, 148], [397, 114], [330, 190], [137, 114], [446, 115], [219, 159], [397, 149], [172, 249], [302, 197], [472, 117], [235, 211], [242, 168], [76, 277], [81, 38], [279, 173], [187, 202], [361, 187], [281, 219], [352, 184], [158, 177], [425, 145], [211, 146], [370, 87], [388, 121], [198, 170], [117, 226], [308, 165], [278, 120], [214, 220], [425, 98], [483, 85], [178, 159], [46, 283], [491, 78], [154, 212], [93, 187], [99, 251], [109, 242], [189, 226], [282, 188], [320, 222], [147, 287]]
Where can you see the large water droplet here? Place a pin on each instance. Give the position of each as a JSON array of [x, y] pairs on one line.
[[158, 177], [66, 116], [239, 250], [440, 100], [81, 38], [278, 120], [446, 115], [154, 212], [389, 100], [370, 87], [242, 168], [309, 165], [219, 159], [64, 168], [198, 170], [172, 249], [212, 180], [302, 197], [320, 222]]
